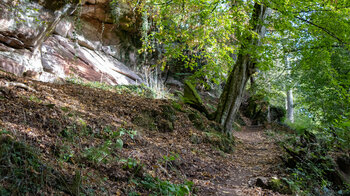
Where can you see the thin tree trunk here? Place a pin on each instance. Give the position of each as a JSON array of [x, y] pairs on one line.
[[289, 91], [290, 109], [230, 99], [47, 30]]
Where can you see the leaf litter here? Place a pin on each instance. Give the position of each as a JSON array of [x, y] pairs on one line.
[[63, 120]]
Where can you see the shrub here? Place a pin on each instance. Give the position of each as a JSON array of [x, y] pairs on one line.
[[312, 170], [159, 187]]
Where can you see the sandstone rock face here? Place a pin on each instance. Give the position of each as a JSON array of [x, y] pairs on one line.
[[90, 46]]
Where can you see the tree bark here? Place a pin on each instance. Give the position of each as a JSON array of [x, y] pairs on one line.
[[230, 99], [289, 104]]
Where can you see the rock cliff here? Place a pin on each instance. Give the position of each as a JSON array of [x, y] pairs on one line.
[[47, 41]]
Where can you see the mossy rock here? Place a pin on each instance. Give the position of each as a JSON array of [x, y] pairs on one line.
[[220, 140], [216, 126], [157, 121], [168, 112], [191, 95], [192, 98], [145, 120], [165, 125], [196, 139], [55, 4], [277, 113], [279, 185], [167, 119]]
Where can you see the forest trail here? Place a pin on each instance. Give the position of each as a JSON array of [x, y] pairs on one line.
[[255, 156]]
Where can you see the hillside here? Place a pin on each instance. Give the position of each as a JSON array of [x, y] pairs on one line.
[[73, 139], [174, 97]]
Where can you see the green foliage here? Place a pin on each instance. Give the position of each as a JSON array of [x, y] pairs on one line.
[[301, 123], [312, 170], [197, 120], [135, 167], [107, 133], [66, 153], [172, 157], [132, 165], [169, 159], [160, 187], [104, 153], [188, 36], [280, 185], [34, 99], [101, 153], [177, 106], [115, 10]]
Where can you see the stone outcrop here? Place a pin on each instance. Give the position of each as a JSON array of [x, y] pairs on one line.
[[85, 44]]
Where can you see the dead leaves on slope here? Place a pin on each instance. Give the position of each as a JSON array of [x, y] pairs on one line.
[[42, 114]]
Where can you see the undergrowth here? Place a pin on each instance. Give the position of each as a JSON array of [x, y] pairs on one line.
[[157, 187], [309, 162], [21, 170], [138, 90]]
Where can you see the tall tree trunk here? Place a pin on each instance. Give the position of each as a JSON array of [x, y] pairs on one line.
[[244, 67], [289, 91], [289, 104]]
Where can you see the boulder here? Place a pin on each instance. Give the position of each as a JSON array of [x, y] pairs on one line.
[[275, 184], [255, 107], [155, 120]]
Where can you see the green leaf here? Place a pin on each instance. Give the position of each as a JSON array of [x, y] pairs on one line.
[[119, 143]]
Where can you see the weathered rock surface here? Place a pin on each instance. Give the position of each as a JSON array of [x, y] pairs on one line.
[[89, 46]]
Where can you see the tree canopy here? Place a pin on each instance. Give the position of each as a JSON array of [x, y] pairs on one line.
[[208, 36]]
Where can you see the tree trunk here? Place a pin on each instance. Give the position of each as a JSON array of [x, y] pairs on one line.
[[244, 67], [230, 99], [290, 109]]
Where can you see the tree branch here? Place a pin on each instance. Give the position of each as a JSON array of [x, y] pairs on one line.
[[311, 48], [323, 29], [321, 10]]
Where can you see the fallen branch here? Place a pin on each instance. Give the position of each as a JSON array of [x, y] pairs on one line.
[[19, 85]]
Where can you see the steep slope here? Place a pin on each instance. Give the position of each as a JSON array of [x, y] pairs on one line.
[[111, 142]]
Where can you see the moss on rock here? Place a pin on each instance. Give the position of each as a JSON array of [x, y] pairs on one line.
[[145, 120], [279, 185], [220, 140], [192, 98], [191, 95], [162, 121]]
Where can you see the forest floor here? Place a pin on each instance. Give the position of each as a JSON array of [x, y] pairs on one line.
[[94, 141]]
